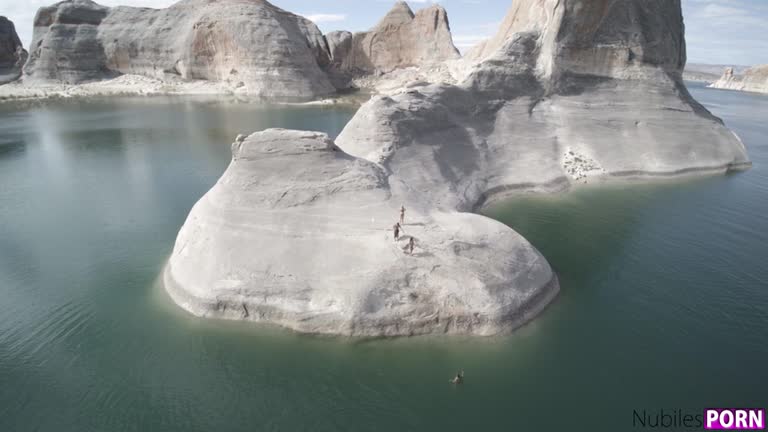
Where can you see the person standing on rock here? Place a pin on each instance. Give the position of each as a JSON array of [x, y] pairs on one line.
[[411, 244], [396, 229], [402, 215]]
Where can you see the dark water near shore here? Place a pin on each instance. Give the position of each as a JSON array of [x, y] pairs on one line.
[[664, 299]]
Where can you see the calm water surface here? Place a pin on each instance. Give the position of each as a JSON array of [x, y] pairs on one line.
[[664, 298]]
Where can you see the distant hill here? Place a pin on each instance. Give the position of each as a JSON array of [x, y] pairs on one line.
[[709, 72]]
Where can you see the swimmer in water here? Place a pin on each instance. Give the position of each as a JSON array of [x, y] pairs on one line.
[[459, 378]]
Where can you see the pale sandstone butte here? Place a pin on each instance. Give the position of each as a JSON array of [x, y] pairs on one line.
[[754, 79], [565, 91], [65, 45], [401, 39], [12, 53], [248, 43]]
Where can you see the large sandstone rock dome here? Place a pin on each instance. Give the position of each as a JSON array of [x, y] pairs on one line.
[[298, 233], [257, 47]]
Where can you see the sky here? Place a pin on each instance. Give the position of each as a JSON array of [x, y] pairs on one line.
[[727, 32]]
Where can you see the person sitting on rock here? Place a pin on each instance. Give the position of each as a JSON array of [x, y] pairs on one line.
[[402, 215], [396, 229], [459, 378]]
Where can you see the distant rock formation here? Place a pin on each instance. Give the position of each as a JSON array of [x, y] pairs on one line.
[[708, 73], [257, 47], [298, 233], [754, 79], [250, 47], [12, 54], [566, 91], [401, 39]]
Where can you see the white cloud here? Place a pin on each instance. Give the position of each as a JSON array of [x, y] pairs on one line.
[[322, 18], [719, 14]]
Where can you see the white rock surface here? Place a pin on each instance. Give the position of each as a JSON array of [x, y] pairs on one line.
[[754, 79], [65, 45], [298, 233], [249, 45], [339, 45], [559, 78]]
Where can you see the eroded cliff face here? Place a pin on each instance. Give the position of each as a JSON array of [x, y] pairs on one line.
[[12, 54], [243, 46], [754, 79], [65, 45], [401, 39], [257, 47], [566, 91], [606, 38]]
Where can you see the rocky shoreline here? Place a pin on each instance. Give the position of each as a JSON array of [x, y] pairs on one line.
[[754, 79], [137, 85]]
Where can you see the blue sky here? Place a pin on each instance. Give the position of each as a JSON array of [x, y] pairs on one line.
[[718, 31]]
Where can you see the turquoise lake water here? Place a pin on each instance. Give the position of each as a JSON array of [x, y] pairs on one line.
[[664, 300]]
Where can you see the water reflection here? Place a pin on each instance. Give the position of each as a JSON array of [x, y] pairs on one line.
[[12, 147]]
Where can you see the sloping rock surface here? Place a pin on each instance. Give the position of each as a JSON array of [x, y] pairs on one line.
[[298, 233], [12, 54], [257, 47], [565, 91], [708, 72], [754, 79]]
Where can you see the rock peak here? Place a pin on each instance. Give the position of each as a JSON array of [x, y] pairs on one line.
[[400, 14], [401, 39], [435, 14]]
